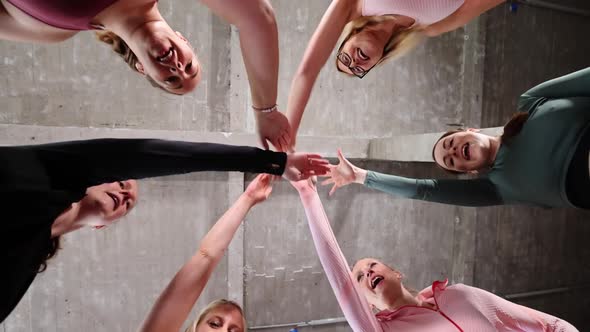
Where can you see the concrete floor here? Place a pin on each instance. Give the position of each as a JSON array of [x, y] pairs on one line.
[[107, 280]]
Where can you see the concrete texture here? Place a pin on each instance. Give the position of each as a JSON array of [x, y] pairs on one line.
[[107, 280]]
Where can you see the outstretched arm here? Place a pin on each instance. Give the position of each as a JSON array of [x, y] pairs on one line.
[[176, 301], [576, 84], [353, 304], [473, 192], [318, 51], [91, 162], [515, 317], [468, 11], [259, 42]]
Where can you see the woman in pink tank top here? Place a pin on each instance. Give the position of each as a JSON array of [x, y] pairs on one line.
[[373, 31], [375, 287], [136, 30]]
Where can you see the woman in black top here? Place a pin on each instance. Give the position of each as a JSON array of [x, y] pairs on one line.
[[51, 189]]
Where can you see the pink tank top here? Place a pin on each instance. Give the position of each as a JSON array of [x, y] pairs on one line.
[[425, 12], [63, 14]]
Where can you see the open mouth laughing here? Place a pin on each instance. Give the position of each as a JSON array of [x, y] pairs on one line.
[[376, 281], [166, 56], [466, 153]]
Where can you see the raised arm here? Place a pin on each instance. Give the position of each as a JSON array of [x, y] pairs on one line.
[[514, 317], [467, 12], [576, 84], [318, 51], [91, 162], [473, 192], [353, 304], [176, 301], [259, 42]]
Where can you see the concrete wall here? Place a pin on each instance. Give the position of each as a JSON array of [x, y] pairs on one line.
[[107, 280]]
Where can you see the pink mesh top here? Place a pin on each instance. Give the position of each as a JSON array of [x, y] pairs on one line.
[[425, 12], [457, 307], [63, 14]]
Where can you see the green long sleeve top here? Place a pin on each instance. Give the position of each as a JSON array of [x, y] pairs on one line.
[[532, 169]]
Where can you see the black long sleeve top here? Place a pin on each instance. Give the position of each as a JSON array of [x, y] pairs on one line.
[[39, 182]]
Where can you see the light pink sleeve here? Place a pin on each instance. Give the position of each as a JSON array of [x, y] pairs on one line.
[[355, 307], [520, 317]]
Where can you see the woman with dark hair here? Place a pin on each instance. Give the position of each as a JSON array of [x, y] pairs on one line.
[[372, 32], [541, 159], [176, 301], [51, 189], [139, 34], [373, 286]]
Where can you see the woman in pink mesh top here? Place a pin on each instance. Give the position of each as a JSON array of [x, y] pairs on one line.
[[437, 308], [373, 31]]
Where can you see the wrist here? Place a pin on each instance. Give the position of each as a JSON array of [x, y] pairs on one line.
[[360, 175], [247, 200], [265, 109]]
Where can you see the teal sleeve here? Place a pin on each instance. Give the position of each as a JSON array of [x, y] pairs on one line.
[[576, 84], [471, 192]]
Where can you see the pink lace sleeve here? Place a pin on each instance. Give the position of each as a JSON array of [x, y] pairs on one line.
[[352, 302]]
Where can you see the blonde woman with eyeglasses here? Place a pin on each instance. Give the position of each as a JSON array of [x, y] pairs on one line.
[[373, 31]]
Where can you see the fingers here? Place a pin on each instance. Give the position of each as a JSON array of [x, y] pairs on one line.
[[287, 137], [318, 161], [283, 143], [263, 142], [341, 157], [264, 179], [317, 169], [278, 144], [314, 156], [333, 190]]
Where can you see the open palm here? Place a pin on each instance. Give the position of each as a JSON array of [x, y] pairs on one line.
[[341, 174]]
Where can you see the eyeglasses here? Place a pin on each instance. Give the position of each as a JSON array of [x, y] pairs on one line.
[[357, 71]]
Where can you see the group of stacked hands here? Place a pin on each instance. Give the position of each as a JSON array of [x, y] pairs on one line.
[[87, 183]]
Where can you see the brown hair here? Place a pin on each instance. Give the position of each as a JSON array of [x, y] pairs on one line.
[[120, 47], [212, 306], [511, 129], [400, 42], [54, 246]]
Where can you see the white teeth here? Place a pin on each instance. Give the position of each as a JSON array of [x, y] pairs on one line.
[[166, 56]]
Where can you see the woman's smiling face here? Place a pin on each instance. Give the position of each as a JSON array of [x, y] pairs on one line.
[[463, 151]]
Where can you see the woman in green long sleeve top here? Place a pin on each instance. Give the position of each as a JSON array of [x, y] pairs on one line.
[[541, 159]]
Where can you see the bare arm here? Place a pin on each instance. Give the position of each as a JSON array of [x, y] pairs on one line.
[[12, 29], [259, 43], [318, 51], [175, 303], [468, 11]]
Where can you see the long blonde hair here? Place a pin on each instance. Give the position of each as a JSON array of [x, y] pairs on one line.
[[212, 306], [119, 46], [400, 42]]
